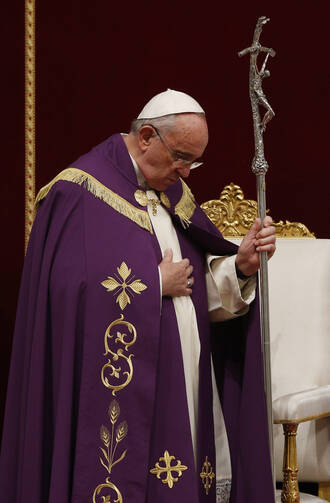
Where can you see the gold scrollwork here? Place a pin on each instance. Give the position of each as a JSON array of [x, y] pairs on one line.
[[123, 285], [107, 499], [207, 475], [168, 469], [115, 372]]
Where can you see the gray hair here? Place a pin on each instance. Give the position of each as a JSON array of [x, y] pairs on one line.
[[166, 123]]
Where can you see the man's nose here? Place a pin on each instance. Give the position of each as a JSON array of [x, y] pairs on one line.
[[184, 171]]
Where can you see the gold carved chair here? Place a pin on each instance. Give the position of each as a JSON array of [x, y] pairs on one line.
[[300, 381]]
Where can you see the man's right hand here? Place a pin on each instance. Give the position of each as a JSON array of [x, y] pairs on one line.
[[175, 276]]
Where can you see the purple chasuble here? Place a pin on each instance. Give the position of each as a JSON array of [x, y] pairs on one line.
[[96, 406]]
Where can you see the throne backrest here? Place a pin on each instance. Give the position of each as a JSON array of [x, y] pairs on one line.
[[233, 216]]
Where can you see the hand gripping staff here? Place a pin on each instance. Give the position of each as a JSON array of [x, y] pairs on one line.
[[259, 168]]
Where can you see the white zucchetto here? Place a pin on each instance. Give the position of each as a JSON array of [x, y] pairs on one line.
[[170, 102]]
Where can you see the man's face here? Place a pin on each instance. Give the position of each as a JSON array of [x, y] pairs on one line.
[[187, 139]]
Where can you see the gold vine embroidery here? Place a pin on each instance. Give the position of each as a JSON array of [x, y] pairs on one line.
[[123, 285], [167, 469], [100, 191], [207, 475], [186, 206], [115, 372]]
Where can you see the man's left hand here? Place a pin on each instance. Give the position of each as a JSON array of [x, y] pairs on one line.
[[256, 240]]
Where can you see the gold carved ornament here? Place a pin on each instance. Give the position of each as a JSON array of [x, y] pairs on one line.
[[207, 475], [30, 99], [123, 286], [167, 469], [233, 216]]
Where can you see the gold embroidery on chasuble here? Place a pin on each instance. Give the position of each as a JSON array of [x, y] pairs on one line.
[[167, 469], [116, 374], [100, 191], [123, 285], [186, 206], [142, 198], [207, 475]]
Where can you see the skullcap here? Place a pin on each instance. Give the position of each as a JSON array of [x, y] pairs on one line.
[[170, 102]]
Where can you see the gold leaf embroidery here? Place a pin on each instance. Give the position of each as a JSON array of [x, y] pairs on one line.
[[100, 191], [137, 286], [168, 469], [122, 289], [121, 431], [105, 435], [114, 411], [110, 284], [123, 299], [124, 271]]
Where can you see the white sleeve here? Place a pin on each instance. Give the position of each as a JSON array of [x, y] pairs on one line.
[[228, 296]]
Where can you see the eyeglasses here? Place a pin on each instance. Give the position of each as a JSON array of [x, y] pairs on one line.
[[176, 158]]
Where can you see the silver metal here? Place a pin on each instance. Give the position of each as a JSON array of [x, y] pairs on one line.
[[259, 168], [188, 283]]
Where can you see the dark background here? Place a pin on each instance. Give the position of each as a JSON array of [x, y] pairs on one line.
[[99, 63]]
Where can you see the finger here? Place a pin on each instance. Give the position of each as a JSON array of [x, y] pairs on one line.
[[266, 248], [268, 221], [256, 226], [266, 231], [189, 270], [168, 255], [185, 262], [265, 241]]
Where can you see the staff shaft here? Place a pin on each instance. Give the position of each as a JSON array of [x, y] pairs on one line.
[[265, 331]]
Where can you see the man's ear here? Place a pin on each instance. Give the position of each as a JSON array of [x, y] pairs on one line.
[[144, 136]]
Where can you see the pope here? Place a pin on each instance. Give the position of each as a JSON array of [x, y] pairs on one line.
[[136, 371]]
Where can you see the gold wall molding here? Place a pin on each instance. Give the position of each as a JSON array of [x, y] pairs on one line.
[[233, 215], [30, 143]]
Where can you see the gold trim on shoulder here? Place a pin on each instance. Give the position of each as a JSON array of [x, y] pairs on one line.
[[207, 475], [165, 200], [168, 469], [186, 206], [233, 216], [100, 191]]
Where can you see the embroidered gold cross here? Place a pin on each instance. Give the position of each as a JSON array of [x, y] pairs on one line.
[[168, 469], [207, 475]]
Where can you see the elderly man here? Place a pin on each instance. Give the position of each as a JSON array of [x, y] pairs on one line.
[[112, 395]]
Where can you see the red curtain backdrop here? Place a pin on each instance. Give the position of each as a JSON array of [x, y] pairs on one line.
[[99, 62]]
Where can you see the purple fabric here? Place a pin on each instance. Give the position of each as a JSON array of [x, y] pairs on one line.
[[56, 400]]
